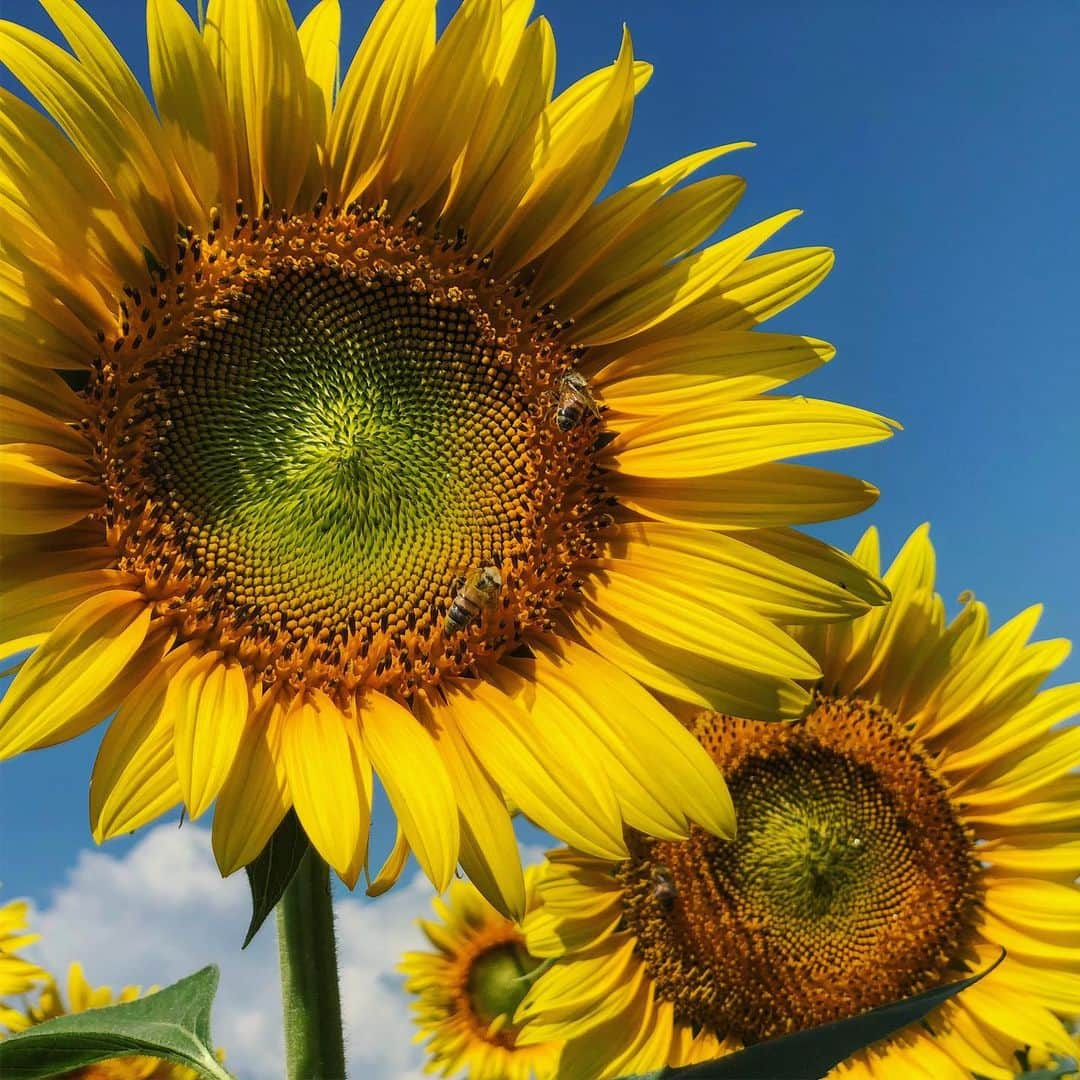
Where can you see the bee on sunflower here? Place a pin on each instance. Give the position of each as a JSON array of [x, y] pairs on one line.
[[281, 365], [923, 815]]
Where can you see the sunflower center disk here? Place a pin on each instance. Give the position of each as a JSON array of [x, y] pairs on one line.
[[496, 981], [851, 883], [338, 449], [338, 425]]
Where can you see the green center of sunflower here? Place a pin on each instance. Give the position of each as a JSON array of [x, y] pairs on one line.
[[851, 882], [344, 447], [320, 434], [497, 983]]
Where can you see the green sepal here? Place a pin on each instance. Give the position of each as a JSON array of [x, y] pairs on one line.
[[172, 1024], [269, 875], [812, 1053]]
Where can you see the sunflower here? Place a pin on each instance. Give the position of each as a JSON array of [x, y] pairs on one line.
[[468, 989], [924, 814], [347, 435], [82, 996], [16, 974]]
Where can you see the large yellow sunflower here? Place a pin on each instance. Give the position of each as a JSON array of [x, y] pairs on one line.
[[80, 997], [16, 974], [383, 447], [468, 989], [923, 815]]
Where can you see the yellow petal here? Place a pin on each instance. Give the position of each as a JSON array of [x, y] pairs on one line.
[[1017, 1016], [257, 53], [512, 107], [1039, 947], [666, 231], [594, 917], [972, 682], [700, 370], [617, 1021], [1011, 689], [910, 579], [867, 552], [35, 325], [668, 291], [489, 851], [320, 34], [738, 435], [22, 423], [557, 165], [46, 179], [1030, 723], [689, 675], [39, 389], [79, 990], [778, 573], [522, 759], [78, 547], [98, 124], [661, 775], [210, 699], [392, 866], [754, 498], [375, 91], [134, 778], [34, 608], [66, 682], [80, 301], [329, 778], [1034, 904], [1045, 855], [1058, 990], [593, 235], [191, 102], [255, 797], [443, 106], [1024, 772], [755, 291], [416, 782], [696, 615], [1056, 806]]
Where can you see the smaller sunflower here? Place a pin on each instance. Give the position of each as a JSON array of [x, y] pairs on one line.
[[16, 974], [80, 997], [468, 990], [924, 814]]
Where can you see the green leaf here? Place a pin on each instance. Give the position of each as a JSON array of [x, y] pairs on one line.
[[269, 875], [173, 1024], [812, 1053]]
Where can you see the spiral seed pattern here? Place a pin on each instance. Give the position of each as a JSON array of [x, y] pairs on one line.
[[851, 883], [312, 430]]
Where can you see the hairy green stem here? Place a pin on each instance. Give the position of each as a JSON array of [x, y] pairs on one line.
[[314, 1048]]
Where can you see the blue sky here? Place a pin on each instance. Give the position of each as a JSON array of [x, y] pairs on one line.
[[934, 147]]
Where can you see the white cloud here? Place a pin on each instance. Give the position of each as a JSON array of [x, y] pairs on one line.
[[162, 911]]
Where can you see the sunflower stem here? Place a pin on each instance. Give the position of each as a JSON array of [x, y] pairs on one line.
[[314, 1046]]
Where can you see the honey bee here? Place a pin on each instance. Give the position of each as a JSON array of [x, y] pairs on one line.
[[479, 591], [663, 888], [574, 398]]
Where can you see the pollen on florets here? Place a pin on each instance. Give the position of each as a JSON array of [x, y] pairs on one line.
[[851, 883], [311, 429]]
